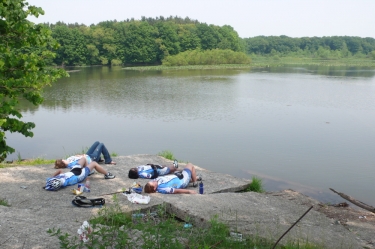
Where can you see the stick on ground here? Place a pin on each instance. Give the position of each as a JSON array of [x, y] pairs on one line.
[[355, 202]]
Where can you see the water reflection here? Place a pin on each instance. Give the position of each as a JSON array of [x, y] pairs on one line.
[[174, 94], [340, 71]]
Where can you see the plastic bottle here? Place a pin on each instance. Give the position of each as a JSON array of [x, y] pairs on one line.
[[138, 215], [87, 184], [201, 188]]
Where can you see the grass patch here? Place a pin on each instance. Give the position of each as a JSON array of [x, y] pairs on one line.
[[4, 202], [27, 162], [166, 154], [112, 228], [256, 185]]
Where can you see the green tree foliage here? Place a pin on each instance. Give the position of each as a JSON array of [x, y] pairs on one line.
[[188, 37], [209, 36], [137, 43], [207, 57], [150, 40], [323, 47], [146, 41], [167, 39], [72, 49], [101, 45], [25, 50]]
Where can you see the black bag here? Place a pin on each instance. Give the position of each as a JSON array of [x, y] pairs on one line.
[[179, 174], [155, 168]]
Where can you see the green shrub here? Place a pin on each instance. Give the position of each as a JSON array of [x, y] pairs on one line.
[[4, 202], [207, 57], [166, 154], [255, 185]]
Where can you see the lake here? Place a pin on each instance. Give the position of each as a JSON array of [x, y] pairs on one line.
[[307, 128]]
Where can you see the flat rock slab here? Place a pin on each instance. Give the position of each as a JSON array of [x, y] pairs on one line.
[[252, 213], [34, 210]]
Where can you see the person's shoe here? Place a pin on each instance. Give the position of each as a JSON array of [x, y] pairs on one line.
[[109, 175], [199, 178], [92, 172], [100, 160], [175, 163], [194, 184]]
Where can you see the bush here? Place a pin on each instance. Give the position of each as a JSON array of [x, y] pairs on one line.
[[255, 185], [166, 154], [207, 57]]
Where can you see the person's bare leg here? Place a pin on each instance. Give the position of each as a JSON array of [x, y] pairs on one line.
[[97, 167], [172, 169], [193, 173]]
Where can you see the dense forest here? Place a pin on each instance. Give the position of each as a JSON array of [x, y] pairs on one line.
[[323, 47], [151, 40], [145, 41]]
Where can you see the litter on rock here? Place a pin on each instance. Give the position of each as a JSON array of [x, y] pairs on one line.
[[137, 198], [236, 236], [187, 225]]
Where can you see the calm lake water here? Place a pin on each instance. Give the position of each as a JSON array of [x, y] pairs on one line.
[[304, 128]]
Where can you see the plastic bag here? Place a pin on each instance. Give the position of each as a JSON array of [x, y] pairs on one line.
[[137, 198]]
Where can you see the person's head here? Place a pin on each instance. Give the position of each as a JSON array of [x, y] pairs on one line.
[[59, 164], [150, 187], [53, 184], [133, 173]]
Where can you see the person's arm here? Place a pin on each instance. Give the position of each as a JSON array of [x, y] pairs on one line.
[[184, 191], [58, 172]]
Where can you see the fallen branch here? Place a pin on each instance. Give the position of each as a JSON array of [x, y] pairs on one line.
[[274, 246], [355, 202]]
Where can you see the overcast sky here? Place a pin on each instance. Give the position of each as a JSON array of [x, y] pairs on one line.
[[294, 18]]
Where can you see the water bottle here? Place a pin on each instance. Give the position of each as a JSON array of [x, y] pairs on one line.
[[138, 215], [87, 184], [201, 188]]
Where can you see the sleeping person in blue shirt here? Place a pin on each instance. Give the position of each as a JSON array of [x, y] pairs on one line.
[[176, 183], [77, 174], [151, 171]]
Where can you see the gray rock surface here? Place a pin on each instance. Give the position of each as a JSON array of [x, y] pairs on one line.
[[33, 210]]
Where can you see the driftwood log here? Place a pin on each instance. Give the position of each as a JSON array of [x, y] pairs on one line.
[[355, 202]]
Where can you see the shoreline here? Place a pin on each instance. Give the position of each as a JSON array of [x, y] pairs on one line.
[[33, 209]]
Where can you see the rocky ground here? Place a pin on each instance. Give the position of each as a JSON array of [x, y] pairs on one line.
[[357, 220], [33, 210]]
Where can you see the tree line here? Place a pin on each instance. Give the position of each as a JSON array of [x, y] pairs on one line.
[[151, 40], [145, 41], [324, 47]]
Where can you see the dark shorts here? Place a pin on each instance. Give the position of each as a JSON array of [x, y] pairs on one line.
[[76, 171]]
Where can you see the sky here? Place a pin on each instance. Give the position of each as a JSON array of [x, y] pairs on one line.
[[293, 18]]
